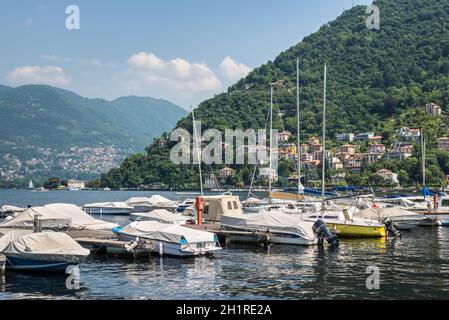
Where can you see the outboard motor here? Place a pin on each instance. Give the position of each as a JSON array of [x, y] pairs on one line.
[[390, 227], [322, 231]]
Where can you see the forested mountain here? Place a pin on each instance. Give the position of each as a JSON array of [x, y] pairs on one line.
[[379, 80], [41, 123]]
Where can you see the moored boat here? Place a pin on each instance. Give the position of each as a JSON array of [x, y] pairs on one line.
[[41, 252], [169, 239], [113, 208]]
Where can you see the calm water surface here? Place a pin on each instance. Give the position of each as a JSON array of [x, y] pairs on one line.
[[415, 266]]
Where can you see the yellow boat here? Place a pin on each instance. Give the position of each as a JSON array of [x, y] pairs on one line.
[[350, 229]]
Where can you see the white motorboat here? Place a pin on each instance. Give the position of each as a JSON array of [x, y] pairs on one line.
[[402, 219], [144, 204], [162, 216], [113, 208], [169, 239], [282, 228], [41, 252], [56, 216]]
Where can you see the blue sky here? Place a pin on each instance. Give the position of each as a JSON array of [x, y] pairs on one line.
[[180, 50]]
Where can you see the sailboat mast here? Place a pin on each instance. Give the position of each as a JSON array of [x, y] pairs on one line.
[[298, 151], [423, 152], [323, 164], [271, 141], [195, 138]]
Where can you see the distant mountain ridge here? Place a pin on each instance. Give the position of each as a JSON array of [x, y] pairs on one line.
[[40, 116]]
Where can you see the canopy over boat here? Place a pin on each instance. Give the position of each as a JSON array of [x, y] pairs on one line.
[[272, 220], [42, 246], [167, 232], [162, 216], [108, 205], [382, 213], [58, 215]]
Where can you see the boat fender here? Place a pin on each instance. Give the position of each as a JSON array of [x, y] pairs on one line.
[[131, 246], [322, 231], [390, 227]]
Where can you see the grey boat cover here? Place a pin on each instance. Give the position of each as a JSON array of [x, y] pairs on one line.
[[153, 201], [274, 221], [108, 205], [167, 232], [43, 245], [162, 216], [58, 215], [382, 213]]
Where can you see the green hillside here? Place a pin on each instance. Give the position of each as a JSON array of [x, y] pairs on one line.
[[42, 123], [379, 80]]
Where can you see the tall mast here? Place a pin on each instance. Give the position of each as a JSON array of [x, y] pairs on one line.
[[298, 128], [271, 140], [323, 164], [195, 138], [423, 152]]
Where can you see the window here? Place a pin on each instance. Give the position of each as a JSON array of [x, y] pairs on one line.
[[445, 203], [229, 205], [236, 206]]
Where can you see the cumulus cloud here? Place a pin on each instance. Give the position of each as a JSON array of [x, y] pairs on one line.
[[146, 70], [233, 70], [50, 75]]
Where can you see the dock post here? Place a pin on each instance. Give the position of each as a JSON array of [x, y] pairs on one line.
[[2, 265], [37, 223], [199, 207]]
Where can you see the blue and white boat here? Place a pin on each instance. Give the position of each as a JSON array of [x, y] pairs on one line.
[[41, 252]]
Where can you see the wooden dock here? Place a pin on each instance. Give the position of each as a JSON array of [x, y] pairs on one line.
[[112, 247], [232, 235]]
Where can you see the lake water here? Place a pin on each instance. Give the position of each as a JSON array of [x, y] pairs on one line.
[[415, 266]]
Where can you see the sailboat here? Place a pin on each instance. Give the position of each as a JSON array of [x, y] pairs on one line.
[[31, 185], [342, 222]]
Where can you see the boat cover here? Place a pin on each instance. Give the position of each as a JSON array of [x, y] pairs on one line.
[[58, 215], [382, 213], [7, 208], [167, 232], [162, 216], [42, 245], [272, 220], [109, 205], [154, 200]]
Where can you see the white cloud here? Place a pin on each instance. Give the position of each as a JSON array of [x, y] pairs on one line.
[[50, 75], [233, 70], [177, 79], [28, 22]]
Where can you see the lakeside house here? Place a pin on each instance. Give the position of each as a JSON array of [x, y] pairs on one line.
[[347, 136], [76, 184], [443, 143], [268, 173], [433, 109], [227, 172], [364, 137], [283, 136], [407, 134], [388, 175]]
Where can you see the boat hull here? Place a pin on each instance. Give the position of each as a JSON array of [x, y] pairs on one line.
[[108, 211], [38, 265], [344, 230]]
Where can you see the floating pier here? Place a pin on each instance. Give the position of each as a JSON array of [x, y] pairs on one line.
[[233, 235], [112, 246]]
